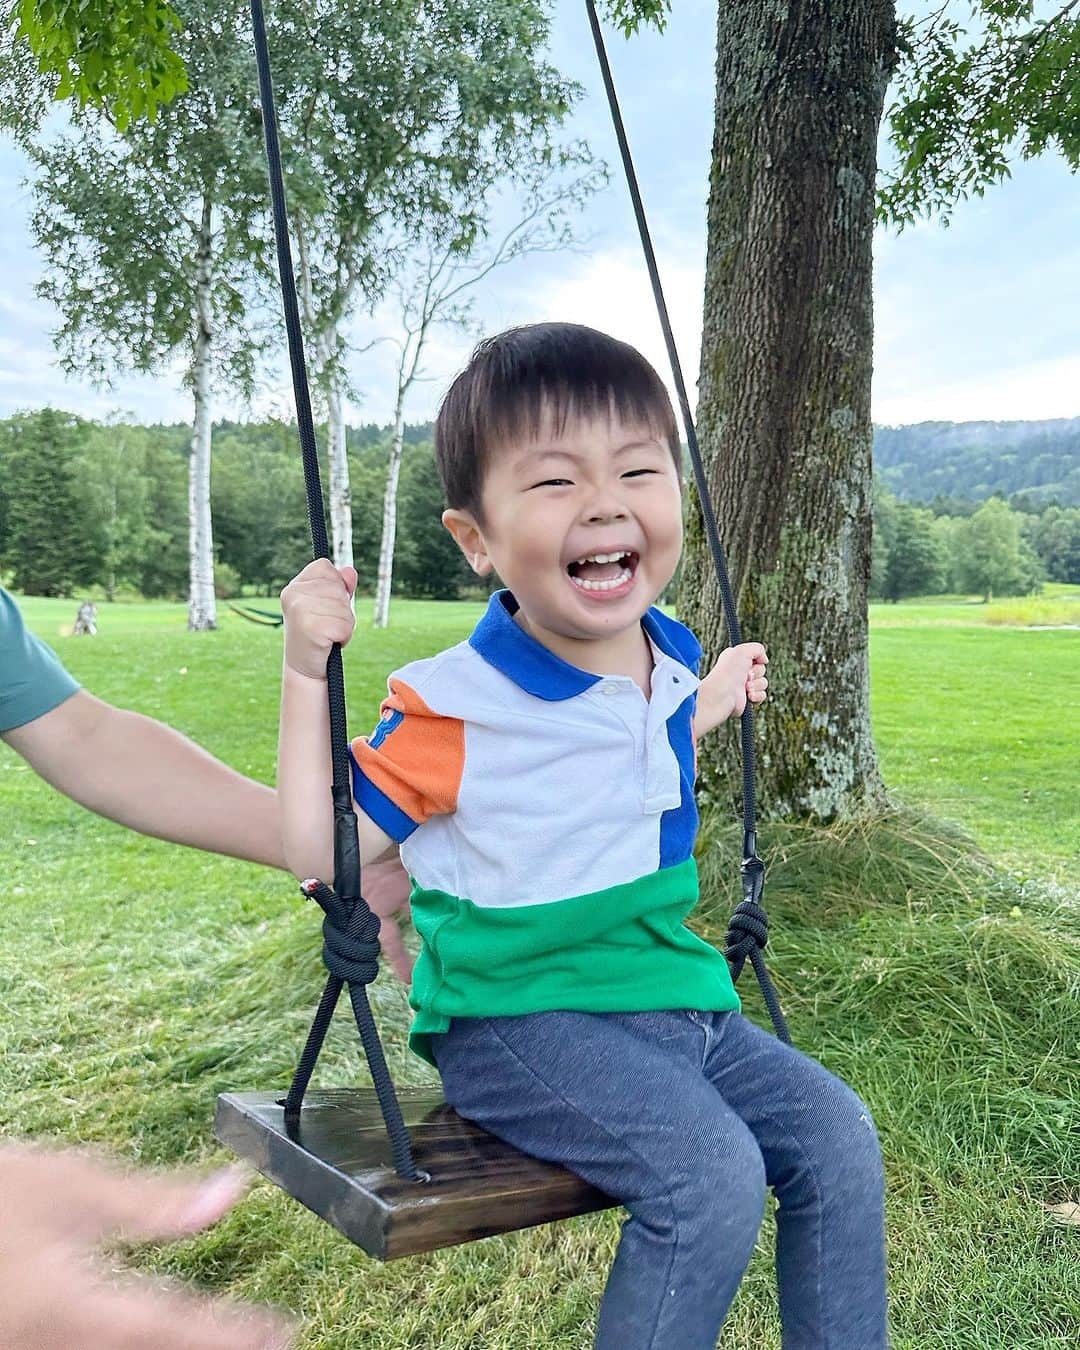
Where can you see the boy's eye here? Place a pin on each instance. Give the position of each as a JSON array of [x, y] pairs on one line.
[[554, 482]]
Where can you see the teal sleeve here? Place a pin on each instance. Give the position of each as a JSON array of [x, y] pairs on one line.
[[32, 680]]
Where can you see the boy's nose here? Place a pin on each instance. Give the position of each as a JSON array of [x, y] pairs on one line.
[[601, 511]]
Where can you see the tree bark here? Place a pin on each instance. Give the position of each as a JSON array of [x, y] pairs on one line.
[[202, 602], [389, 527], [324, 334], [784, 411], [340, 487]]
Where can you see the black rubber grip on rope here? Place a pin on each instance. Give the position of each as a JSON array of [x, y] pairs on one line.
[[349, 900], [712, 533]]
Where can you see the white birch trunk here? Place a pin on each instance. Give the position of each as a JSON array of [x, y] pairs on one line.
[[324, 337], [340, 487], [389, 528], [202, 604]]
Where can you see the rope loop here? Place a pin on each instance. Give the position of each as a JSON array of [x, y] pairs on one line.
[[352, 959]]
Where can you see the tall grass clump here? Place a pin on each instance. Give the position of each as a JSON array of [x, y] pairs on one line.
[[948, 994], [1058, 611]]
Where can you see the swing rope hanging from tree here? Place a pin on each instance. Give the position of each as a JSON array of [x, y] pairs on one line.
[[404, 1173]]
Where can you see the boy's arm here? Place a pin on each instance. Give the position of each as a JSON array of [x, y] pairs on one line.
[[317, 610], [304, 778], [739, 674], [143, 774]]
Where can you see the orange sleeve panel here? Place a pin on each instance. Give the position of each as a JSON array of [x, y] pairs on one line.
[[414, 759]]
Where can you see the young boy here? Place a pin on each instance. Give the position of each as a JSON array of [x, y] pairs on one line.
[[539, 779]]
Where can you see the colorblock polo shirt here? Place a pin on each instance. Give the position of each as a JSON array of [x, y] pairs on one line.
[[32, 680], [546, 816]]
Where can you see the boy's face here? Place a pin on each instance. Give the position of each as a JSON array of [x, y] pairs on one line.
[[602, 486]]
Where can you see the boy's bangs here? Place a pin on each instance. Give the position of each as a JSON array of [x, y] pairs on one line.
[[530, 383], [540, 410]]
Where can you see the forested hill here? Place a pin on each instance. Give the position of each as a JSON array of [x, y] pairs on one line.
[[975, 460]]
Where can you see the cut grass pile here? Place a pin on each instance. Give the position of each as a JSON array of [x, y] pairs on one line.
[[139, 980], [1057, 605]]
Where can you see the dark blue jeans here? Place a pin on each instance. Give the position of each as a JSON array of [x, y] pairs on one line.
[[686, 1118]]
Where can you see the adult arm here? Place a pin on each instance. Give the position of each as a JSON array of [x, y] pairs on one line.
[[143, 774], [304, 778]]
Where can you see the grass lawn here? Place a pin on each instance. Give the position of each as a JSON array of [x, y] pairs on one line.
[[981, 723], [138, 980]]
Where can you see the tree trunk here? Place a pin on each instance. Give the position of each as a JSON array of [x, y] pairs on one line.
[[324, 335], [389, 527], [784, 410], [113, 532], [202, 603], [340, 488]]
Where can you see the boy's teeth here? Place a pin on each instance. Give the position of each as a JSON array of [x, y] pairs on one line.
[[623, 577], [602, 557]]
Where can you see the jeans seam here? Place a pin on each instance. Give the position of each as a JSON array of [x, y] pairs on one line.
[[820, 1192], [601, 1126]]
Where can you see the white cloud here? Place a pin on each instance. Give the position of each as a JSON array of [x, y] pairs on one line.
[[611, 292], [607, 289], [1029, 392]]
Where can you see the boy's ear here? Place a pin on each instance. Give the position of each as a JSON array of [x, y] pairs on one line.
[[468, 538]]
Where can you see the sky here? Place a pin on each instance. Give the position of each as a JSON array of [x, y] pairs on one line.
[[977, 321]]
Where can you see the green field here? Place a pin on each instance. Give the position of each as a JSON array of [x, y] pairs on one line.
[[138, 980]]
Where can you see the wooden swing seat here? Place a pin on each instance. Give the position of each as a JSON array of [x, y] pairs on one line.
[[339, 1166]]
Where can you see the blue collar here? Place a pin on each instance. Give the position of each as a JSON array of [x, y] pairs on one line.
[[506, 646]]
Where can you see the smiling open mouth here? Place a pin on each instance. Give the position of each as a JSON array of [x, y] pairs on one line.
[[603, 571]]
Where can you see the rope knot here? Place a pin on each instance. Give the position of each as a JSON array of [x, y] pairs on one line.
[[747, 928], [353, 959]]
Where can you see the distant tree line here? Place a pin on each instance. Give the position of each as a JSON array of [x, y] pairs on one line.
[[86, 505], [989, 549], [103, 506]]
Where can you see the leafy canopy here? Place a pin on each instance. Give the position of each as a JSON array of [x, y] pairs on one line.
[[118, 58], [128, 224], [978, 85], [973, 92]]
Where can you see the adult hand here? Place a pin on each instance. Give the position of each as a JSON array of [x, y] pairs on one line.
[[386, 888], [57, 1208]]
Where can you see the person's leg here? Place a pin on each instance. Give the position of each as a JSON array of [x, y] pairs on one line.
[[823, 1161], [621, 1100]]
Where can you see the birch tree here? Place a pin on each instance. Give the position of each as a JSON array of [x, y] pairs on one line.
[[397, 118], [150, 241], [436, 286]]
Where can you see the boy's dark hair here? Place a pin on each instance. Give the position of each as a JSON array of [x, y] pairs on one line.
[[517, 379]]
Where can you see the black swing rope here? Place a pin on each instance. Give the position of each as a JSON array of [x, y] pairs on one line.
[[748, 928], [350, 929]]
